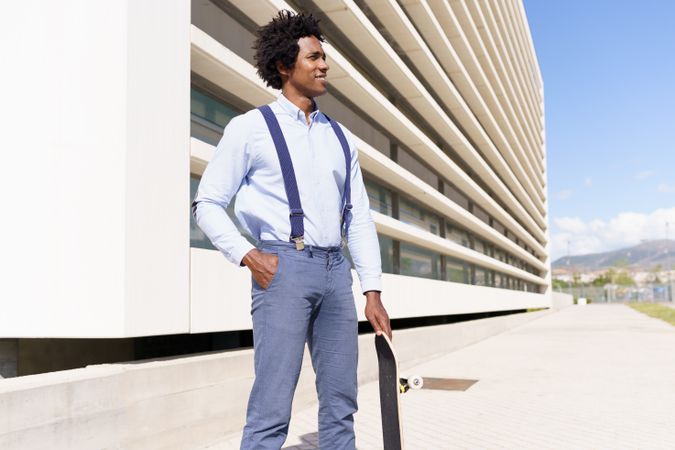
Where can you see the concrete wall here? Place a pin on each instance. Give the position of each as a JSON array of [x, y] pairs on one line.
[[561, 300], [221, 300], [98, 186], [182, 403]]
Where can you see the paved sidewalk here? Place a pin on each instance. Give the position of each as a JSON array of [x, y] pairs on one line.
[[586, 377]]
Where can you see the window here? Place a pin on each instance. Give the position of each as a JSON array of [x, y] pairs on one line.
[[386, 253], [478, 246], [419, 262], [456, 271], [379, 197], [500, 255], [483, 277], [481, 214], [509, 282], [197, 237], [499, 280], [455, 195], [208, 117], [411, 164], [413, 215], [456, 234]]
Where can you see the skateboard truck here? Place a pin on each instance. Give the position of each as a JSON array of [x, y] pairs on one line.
[[413, 382]]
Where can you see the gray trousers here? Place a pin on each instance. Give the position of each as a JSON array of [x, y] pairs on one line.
[[309, 300]]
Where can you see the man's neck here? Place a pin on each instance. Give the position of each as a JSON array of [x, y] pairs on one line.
[[306, 104]]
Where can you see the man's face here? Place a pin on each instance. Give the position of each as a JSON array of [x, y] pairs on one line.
[[308, 75]]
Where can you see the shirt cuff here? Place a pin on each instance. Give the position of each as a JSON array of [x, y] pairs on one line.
[[239, 251], [371, 284]]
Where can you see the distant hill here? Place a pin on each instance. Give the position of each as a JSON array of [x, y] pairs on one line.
[[642, 256]]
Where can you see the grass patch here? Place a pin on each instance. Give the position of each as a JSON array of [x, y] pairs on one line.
[[655, 310]]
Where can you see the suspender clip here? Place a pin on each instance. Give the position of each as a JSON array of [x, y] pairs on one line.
[[299, 242]]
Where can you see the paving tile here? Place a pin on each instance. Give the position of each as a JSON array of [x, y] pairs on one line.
[[595, 376]]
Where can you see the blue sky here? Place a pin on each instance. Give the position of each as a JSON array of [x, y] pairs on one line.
[[609, 85]]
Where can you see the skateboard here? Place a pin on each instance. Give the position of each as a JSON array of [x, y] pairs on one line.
[[391, 386]]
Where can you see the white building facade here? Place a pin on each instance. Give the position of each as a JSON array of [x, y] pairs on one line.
[[444, 98]]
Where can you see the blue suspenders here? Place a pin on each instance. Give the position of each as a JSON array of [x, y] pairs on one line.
[[291, 185]]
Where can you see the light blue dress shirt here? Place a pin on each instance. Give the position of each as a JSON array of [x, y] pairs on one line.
[[245, 164]]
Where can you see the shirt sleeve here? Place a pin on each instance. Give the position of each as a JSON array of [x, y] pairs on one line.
[[364, 246], [220, 182]]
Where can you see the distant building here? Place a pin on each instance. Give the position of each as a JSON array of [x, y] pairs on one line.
[[445, 102]]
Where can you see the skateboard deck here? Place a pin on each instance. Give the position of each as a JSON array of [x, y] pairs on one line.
[[390, 389]]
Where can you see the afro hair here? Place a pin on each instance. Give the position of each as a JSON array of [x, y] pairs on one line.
[[278, 41]]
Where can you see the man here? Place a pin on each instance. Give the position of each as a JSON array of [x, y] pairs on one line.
[[300, 193]]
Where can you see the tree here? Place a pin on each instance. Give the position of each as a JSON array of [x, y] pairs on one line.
[[605, 278], [624, 279], [613, 276], [576, 277], [656, 270], [558, 284]]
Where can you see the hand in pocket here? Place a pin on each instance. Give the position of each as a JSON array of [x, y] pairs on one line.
[[263, 266]]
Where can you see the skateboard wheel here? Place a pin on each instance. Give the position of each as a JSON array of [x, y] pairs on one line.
[[415, 382]]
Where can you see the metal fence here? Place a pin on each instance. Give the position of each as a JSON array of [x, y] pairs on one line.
[[615, 293]]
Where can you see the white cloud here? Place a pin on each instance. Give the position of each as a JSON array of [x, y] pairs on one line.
[[623, 230], [563, 195], [570, 224], [666, 188], [588, 182], [644, 174]]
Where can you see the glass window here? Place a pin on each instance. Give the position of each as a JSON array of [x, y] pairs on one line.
[[478, 246], [498, 226], [483, 277], [386, 253], [456, 234], [197, 237], [456, 270], [419, 262], [499, 280], [411, 164], [208, 117], [455, 195], [481, 214], [413, 215], [488, 249], [379, 197]]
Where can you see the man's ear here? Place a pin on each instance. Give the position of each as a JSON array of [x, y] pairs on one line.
[[282, 69]]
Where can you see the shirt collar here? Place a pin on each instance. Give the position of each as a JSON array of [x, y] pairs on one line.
[[287, 106]]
